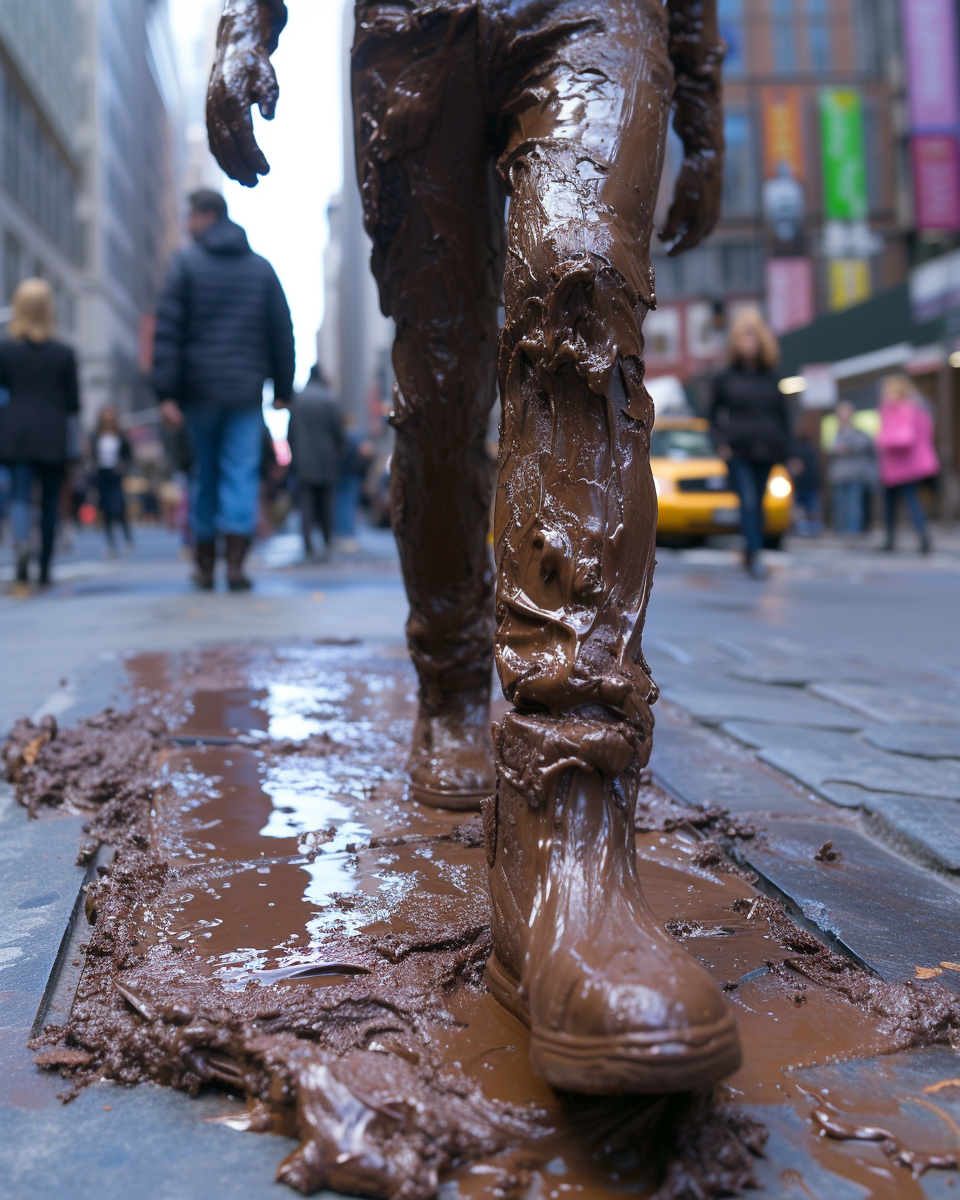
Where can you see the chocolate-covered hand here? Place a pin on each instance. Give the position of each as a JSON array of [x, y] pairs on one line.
[[243, 76], [696, 52], [696, 201]]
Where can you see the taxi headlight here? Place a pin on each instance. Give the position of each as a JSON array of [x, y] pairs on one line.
[[779, 487], [657, 486]]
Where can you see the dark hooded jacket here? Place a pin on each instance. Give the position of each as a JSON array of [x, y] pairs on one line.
[[38, 395], [223, 324], [749, 415]]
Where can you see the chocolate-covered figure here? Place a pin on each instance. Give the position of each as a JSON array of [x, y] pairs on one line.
[[562, 106]]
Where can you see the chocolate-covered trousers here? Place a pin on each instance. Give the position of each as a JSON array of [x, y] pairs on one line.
[[558, 108]]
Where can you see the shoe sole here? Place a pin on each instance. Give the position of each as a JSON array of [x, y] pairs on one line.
[[624, 1064], [456, 801]]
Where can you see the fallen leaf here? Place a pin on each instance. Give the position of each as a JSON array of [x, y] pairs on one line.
[[927, 972], [33, 749], [951, 966], [939, 1087], [62, 1057]]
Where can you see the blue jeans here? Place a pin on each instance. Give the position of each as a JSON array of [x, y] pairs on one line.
[[347, 500], [848, 506], [749, 481], [22, 475], [227, 445]]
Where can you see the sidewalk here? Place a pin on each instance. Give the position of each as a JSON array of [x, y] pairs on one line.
[[822, 706]]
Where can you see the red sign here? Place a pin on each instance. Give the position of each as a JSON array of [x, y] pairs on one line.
[[790, 301], [936, 181]]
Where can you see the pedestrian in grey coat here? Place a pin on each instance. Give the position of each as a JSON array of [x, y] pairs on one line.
[[316, 445], [852, 471]]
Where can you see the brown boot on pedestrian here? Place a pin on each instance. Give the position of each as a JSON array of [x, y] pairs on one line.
[[237, 547], [451, 753], [613, 1003], [205, 560]]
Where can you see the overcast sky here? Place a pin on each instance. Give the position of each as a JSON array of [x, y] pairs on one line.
[[285, 215]]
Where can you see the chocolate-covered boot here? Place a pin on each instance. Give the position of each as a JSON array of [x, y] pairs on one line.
[[613, 1003], [451, 752]]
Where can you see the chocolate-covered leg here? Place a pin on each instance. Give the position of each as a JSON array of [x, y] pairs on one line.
[[613, 1003], [433, 206]]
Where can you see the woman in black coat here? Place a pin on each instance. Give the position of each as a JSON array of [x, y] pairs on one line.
[[750, 424], [38, 394]]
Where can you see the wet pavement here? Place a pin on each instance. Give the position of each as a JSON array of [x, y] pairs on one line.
[[803, 705], [283, 815]]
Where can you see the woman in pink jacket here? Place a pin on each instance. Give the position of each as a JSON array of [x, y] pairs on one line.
[[905, 453]]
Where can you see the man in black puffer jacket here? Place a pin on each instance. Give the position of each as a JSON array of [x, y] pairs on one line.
[[223, 328]]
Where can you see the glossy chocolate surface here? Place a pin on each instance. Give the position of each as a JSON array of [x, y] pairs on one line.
[[280, 917]]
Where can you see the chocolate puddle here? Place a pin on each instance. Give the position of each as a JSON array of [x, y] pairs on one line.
[[281, 921]]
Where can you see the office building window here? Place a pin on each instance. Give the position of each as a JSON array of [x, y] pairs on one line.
[[784, 36], [866, 36], [730, 14], [34, 171], [12, 265], [739, 177], [819, 36]]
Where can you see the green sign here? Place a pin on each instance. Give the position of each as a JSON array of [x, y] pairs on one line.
[[844, 168]]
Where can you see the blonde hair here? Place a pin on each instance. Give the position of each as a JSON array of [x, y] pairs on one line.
[[749, 320], [32, 311], [898, 387]]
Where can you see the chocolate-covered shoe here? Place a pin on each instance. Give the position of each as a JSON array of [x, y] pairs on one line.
[[451, 753], [613, 1003]]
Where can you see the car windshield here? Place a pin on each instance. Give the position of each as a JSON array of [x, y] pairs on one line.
[[681, 443]]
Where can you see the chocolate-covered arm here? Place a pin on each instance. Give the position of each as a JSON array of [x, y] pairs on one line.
[[696, 51], [243, 76]]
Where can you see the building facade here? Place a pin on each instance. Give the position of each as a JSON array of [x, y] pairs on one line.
[[40, 162], [816, 200], [128, 207]]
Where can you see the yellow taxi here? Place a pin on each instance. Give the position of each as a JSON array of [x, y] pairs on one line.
[[693, 486]]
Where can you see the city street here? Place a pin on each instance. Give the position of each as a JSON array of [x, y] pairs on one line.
[[819, 706]]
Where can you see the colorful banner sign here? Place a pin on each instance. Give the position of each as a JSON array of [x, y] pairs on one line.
[[936, 181], [844, 166], [782, 132], [933, 96], [790, 301], [930, 37], [848, 281]]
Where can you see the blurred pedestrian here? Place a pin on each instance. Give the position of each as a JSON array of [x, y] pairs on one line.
[[852, 471], [223, 329], [113, 456], [358, 453], [749, 423], [317, 445], [906, 453], [38, 395], [803, 467]]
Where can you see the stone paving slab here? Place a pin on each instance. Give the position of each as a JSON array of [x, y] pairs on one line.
[[799, 672], [115, 1143], [713, 699], [921, 741], [822, 759], [40, 885], [893, 704], [870, 769], [787, 1171], [884, 911], [928, 833], [925, 1110], [694, 766]]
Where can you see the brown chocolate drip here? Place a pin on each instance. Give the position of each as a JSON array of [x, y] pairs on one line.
[[199, 884], [830, 1127]]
